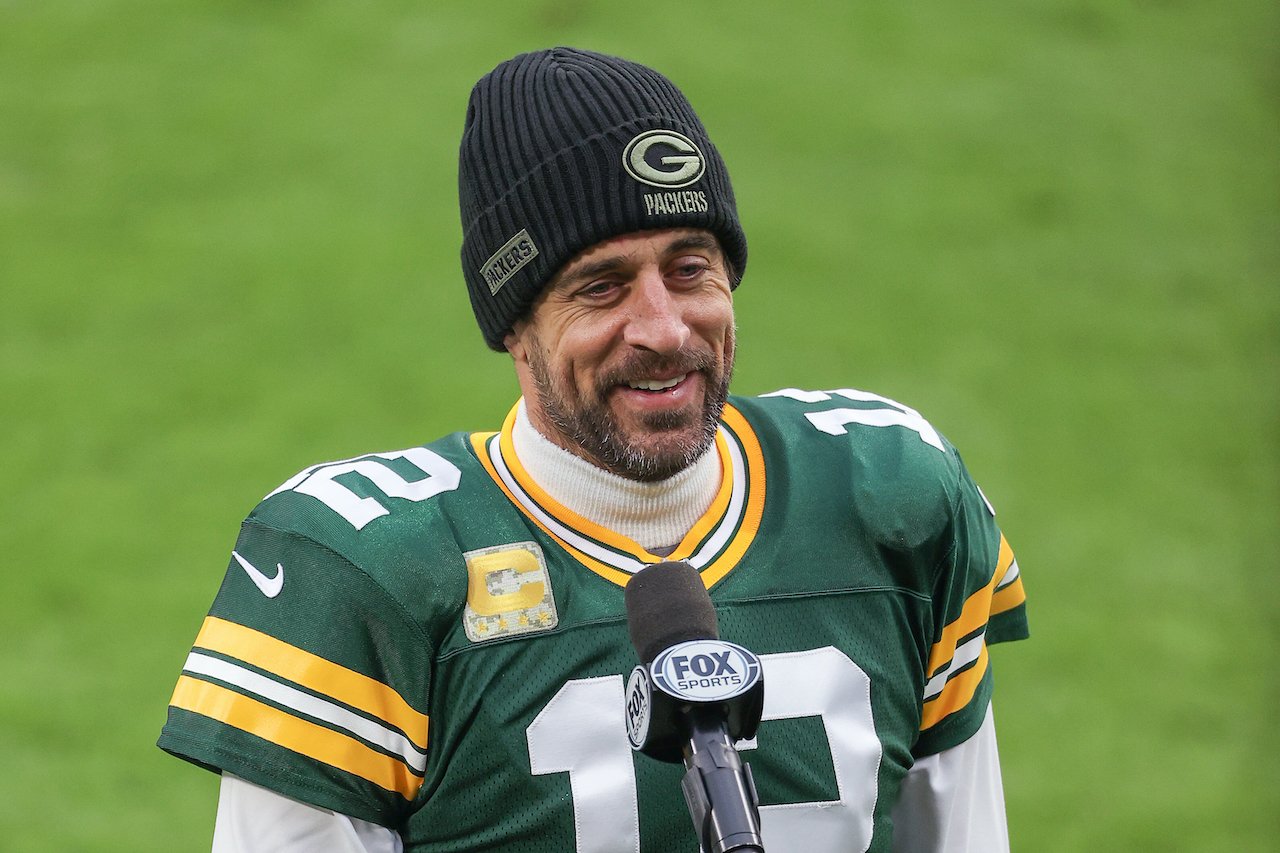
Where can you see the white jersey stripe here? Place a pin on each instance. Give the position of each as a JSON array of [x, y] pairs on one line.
[[1010, 575], [313, 706], [966, 654], [732, 514]]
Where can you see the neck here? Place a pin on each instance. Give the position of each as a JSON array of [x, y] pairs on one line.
[[655, 515]]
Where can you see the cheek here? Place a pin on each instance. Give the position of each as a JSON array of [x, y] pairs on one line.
[[714, 321], [575, 365]]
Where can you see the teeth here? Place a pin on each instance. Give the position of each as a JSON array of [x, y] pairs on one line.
[[656, 385]]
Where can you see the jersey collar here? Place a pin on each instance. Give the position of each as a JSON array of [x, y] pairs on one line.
[[713, 545]]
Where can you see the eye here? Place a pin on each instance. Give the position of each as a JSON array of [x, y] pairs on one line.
[[688, 267], [598, 290]]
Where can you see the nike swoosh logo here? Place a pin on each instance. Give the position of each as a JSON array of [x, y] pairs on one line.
[[270, 586]]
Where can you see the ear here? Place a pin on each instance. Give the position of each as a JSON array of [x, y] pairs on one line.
[[519, 342], [514, 342]]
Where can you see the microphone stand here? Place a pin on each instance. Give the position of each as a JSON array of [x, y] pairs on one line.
[[718, 787]]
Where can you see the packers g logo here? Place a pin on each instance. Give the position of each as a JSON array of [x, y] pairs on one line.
[[663, 158]]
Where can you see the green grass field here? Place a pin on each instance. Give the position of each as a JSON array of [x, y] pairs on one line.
[[228, 249]]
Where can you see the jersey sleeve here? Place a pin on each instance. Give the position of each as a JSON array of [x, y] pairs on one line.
[[306, 678], [978, 600]]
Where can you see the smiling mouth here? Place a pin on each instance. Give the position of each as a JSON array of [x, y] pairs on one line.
[[656, 385]]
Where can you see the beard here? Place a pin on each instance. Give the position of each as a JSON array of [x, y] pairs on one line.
[[660, 444]]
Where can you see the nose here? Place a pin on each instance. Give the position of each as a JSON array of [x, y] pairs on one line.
[[655, 320]]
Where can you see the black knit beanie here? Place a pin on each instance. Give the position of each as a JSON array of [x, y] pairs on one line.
[[564, 148]]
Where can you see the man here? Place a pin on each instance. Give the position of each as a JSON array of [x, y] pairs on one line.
[[425, 649]]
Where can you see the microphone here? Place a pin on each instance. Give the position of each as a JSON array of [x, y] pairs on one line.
[[690, 698]]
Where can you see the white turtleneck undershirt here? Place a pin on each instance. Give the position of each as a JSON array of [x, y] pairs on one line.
[[655, 515]]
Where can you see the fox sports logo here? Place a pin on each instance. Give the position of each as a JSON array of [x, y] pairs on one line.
[[706, 670]]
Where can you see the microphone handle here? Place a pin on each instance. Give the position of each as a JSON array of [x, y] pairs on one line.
[[718, 787]]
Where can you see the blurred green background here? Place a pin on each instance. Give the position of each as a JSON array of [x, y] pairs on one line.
[[228, 249]]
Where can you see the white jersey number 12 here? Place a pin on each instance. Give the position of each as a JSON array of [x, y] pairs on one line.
[[581, 732]]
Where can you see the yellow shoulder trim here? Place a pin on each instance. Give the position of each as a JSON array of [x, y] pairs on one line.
[[294, 734], [974, 614], [978, 609], [315, 673]]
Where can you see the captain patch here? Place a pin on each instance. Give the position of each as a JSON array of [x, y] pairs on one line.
[[508, 592]]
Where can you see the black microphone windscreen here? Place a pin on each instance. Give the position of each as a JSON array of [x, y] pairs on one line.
[[667, 604]]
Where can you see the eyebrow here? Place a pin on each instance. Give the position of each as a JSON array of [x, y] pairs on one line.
[[587, 271], [574, 275], [699, 240]]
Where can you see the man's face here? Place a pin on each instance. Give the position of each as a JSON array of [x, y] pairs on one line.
[[626, 356]]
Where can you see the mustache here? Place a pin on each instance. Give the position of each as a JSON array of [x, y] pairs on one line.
[[638, 365]]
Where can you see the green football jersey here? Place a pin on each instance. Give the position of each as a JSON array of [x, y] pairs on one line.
[[425, 639]]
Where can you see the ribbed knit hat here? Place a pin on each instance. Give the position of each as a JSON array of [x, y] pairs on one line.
[[563, 148]]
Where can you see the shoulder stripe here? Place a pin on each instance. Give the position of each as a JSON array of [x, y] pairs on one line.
[[1009, 592], [313, 672], [958, 660], [973, 616], [965, 655], [958, 692], [297, 735], [294, 699], [1010, 574]]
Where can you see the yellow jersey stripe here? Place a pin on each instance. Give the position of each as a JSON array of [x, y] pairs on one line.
[[315, 673], [956, 695], [1008, 598], [754, 511], [973, 616], [294, 734], [1005, 562]]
